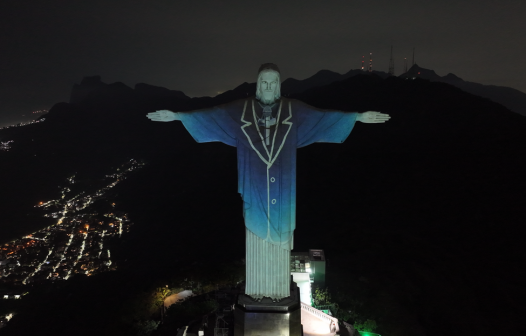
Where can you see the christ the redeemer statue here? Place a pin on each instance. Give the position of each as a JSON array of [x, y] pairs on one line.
[[267, 130]]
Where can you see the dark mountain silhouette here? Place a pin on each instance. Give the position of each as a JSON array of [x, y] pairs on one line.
[[321, 78], [421, 218], [157, 92], [513, 99], [87, 85], [292, 86]]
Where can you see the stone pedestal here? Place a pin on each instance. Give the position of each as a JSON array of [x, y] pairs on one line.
[[267, 318]]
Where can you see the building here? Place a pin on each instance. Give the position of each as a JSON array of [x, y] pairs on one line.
[[308, 271]]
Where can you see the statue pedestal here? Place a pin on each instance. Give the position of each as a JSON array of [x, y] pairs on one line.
[[266, 318]]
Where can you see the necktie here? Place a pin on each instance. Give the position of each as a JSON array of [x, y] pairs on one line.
[[267, 120]]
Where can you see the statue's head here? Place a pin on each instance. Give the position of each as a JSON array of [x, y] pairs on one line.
[[268, 85]]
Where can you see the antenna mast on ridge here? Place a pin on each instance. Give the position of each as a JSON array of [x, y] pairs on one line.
[[363, 60], [391, 64], [370, 62]]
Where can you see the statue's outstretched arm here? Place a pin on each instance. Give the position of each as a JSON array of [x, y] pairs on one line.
[[163, 115], [372, 117]]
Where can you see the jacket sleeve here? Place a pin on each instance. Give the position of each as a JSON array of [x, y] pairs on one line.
[[316, 125], [210, 125]]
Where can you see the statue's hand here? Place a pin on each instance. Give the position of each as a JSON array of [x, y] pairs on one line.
[[162, 115], [372, 117]]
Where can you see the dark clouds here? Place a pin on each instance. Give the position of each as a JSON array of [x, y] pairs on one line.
[[202, 47]]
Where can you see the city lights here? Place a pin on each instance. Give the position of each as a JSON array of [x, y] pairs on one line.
[[6, 145], [45, 256], [24, 123]]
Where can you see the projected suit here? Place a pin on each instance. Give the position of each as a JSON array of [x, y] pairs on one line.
[[267, 175]]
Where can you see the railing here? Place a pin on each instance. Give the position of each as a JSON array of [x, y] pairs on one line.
[[333, 321], [325, 307]]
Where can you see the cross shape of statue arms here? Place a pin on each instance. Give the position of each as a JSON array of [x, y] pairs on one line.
[[369, 117]]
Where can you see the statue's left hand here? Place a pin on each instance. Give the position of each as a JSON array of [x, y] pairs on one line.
[[373, 117], [162, 115]]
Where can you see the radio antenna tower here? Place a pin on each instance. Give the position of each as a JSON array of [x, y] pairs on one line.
[[370, 62], [391, 64], [405, 64], [363, 60]]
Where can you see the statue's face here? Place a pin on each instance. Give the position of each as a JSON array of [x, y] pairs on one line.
[[268, 85]]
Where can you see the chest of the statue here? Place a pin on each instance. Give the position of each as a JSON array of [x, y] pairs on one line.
[[267, 134]]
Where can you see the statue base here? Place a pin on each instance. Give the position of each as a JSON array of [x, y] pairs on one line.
[[267, 318]]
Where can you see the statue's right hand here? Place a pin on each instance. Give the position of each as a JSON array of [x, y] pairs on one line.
[[162, 115]]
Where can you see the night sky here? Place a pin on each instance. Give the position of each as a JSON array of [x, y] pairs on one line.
[[205, 47]]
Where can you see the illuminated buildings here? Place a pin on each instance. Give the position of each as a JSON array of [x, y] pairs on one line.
[[72, 245], [308, 271]]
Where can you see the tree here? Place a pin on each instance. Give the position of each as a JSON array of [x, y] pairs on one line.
[[145, 328], [160, 294], [321, 297], [367, 326]]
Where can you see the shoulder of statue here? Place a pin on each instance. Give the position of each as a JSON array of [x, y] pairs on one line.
[[291, 100], [295, 104]]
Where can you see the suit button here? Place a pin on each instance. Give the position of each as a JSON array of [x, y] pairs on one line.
[[272, 179], [273, 201]]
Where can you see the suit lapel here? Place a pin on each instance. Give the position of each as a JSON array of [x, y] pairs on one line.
[[246, 130], [288, 126]]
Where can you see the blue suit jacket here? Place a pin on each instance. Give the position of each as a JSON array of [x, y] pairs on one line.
[[267, 174]]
